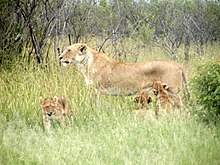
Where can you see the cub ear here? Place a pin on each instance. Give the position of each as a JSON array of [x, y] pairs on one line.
[[62, 99], [165, 86], [41, 99], [55, 98], [155, 92], [82, 47]]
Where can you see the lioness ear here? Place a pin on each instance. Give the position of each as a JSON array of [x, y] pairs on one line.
[[83, 48]]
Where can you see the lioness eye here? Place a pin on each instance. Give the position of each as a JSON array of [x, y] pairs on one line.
[[68, 50]]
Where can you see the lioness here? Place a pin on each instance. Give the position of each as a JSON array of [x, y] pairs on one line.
[[165, 98], [121, 78], [56, 108]]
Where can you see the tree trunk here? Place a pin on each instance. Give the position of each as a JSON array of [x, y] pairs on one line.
[[187, 47]]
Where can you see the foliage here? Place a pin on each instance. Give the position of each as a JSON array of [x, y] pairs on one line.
[[206, 85], [38, 25]]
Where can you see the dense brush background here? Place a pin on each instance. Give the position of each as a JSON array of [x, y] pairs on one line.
[[104, 130]]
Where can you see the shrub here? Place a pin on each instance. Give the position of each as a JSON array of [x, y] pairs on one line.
[[206, 87]]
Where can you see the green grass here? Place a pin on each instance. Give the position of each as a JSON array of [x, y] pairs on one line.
[[113, 140], [104, 130]]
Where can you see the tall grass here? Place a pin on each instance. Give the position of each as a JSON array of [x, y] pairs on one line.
[[104, 130]]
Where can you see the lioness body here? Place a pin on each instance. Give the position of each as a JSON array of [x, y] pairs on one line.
[[120, 78]]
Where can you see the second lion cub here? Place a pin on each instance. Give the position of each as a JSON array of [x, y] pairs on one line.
[[166, 98], [56, 108]]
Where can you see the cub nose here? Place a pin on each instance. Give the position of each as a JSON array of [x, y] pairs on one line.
[[49, 113]]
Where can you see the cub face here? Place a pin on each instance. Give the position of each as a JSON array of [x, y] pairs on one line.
[[52, 108], [143, 99], [56, 108], [167, 98], [74, 54], [159, 87]]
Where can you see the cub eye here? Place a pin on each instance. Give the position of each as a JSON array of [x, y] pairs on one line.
[[68, 50]]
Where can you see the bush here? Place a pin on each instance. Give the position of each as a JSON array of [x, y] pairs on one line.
[[206, 87]]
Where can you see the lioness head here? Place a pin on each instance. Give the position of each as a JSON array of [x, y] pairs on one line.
[[75, 54]]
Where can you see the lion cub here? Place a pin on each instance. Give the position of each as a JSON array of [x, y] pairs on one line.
[[167, 99], [143, 99], [56, 108]]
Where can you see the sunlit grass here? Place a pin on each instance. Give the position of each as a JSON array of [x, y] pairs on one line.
[[113, 140], [104, 130]]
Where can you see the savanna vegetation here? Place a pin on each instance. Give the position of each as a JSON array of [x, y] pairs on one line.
[[33, 33]]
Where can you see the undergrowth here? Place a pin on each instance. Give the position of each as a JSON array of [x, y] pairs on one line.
[[104, 130]]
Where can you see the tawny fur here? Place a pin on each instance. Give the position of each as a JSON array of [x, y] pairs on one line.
[[56, 108], [165, 98], [143, 99], [143, 113], [121, 78]]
